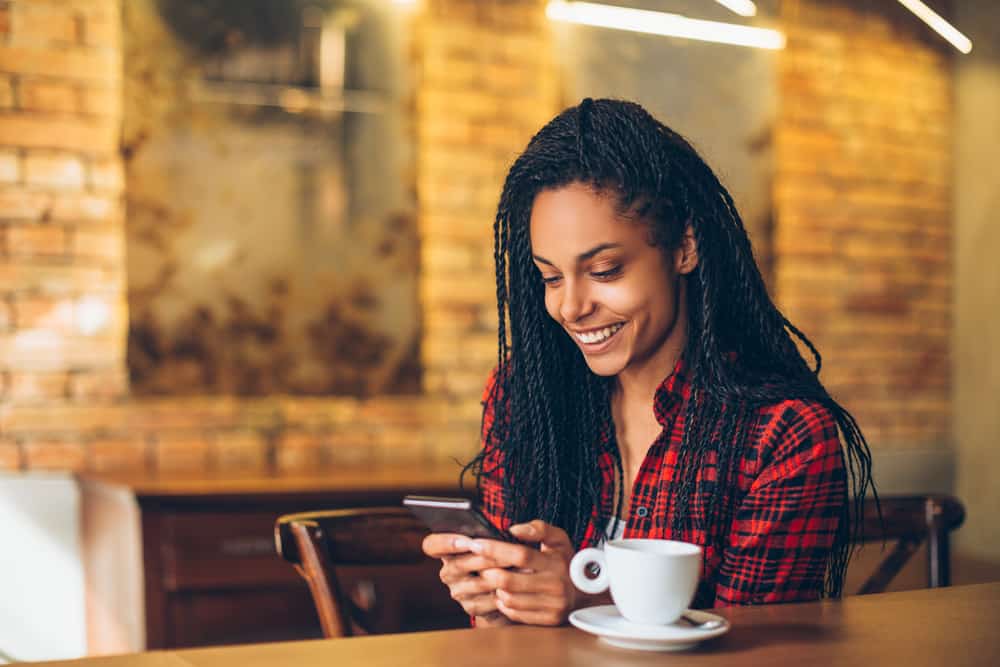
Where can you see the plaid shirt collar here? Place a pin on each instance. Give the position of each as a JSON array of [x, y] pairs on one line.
[[672, 393]]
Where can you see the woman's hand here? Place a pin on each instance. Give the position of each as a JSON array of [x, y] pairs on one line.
[[460, 572], [532, 585]]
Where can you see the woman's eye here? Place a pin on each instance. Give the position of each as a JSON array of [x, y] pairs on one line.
[[607, 273], [551, 280]]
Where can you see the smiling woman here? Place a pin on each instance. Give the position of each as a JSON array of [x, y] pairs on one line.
[[648, 386]]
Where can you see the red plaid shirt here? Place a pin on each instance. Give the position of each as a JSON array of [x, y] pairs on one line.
[[790, 493]]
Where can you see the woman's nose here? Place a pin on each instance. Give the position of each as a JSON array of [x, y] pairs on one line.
[[576, 302]]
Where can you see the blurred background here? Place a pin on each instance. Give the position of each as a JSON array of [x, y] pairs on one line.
[[252, 240]]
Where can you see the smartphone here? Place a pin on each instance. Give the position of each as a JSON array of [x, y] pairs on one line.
[[454, 515]]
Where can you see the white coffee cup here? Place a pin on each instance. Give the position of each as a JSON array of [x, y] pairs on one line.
[[651, 581]]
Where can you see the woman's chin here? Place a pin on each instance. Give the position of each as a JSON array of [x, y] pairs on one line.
[[604, 366]]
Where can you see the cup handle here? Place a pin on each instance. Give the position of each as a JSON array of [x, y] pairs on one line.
[[579, 565]]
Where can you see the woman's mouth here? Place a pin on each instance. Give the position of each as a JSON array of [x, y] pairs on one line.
[[598, 337]]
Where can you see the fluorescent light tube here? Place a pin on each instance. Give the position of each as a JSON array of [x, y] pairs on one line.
[[938, 24], [741, 7], [661, 23]]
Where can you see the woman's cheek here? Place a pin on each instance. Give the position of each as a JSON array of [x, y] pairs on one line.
[[552, 304]]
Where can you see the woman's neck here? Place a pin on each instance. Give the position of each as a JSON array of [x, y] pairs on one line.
[[639, 385], [636, 385]]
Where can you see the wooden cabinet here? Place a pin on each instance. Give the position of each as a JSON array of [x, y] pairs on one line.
[[175, 562]]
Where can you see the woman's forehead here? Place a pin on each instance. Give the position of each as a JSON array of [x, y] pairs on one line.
[[575, 218]]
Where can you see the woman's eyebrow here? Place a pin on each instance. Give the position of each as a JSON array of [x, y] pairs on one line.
[[583, 256]]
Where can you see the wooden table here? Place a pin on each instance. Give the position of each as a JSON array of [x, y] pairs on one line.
[[952, 626], [185, 561]]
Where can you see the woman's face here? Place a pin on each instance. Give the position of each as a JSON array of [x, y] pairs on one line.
[[614, 293]]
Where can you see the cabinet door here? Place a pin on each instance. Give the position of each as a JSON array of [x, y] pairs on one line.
[[208, 618], [230, 550]]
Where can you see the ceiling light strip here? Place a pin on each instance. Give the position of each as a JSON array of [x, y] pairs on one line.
[[661, 23], [938, 24], [741, 7]]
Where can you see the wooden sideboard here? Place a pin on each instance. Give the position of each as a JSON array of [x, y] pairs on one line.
[[176, 562]]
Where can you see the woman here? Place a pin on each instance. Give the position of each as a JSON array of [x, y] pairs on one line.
[[648, 386]]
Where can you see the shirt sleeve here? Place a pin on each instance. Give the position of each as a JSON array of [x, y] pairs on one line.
[[784, 529]]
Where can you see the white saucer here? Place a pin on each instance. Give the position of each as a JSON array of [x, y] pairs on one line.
[[605, 622]]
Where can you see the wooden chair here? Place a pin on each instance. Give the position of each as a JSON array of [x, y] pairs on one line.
[[366, 571], [912, 520]]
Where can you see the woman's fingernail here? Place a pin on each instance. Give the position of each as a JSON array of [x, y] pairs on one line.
[[475, 547], [461, 543]]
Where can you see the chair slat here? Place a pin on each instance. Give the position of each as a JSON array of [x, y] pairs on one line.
[[912, 520], [321, 544]]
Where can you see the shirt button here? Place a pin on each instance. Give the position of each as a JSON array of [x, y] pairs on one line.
[[642, 512]]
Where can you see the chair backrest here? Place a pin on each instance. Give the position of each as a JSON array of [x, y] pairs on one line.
[[912, 520], [366, 571]]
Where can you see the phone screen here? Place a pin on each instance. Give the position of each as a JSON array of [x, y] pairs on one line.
[[453, 515]]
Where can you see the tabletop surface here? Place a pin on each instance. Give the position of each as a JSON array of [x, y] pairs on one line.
[[950, 626]]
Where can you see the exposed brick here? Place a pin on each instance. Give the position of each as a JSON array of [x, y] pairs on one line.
[[36, 240], [349, 449], [54, 170], [42, 24], [69, 63], [24, 205], [101, 101], [47, 96], [86, 207], [117, 455], [106, 244], [10, 168], [298, 452], [240, 451], [30, 276], [181, 452], [318, 413], [54, 455], [103, 30], [6, 92], [93, 135], [862, 194], [106, 175], [11, 456], [51, 314], [39, 350], [101, 384], [27, 386], [188, 414], [438, 289]]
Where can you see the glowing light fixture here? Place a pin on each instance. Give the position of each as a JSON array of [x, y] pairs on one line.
[[741, 7], [661, 23], [938, 24]]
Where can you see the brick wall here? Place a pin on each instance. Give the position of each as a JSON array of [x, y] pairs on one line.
[[488, 82], [863, 219], [484, 86], [862, 238], [62, 311]]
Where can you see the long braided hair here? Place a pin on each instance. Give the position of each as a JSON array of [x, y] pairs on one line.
[[551, 414]]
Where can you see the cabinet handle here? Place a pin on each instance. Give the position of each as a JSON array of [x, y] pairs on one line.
[[244, 547]]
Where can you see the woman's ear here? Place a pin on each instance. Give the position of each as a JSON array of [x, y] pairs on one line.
[[686, 254]]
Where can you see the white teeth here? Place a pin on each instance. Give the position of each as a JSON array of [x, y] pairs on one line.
[[599, 336]]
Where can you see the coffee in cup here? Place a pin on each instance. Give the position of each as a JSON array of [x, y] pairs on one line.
[[652, 581]]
